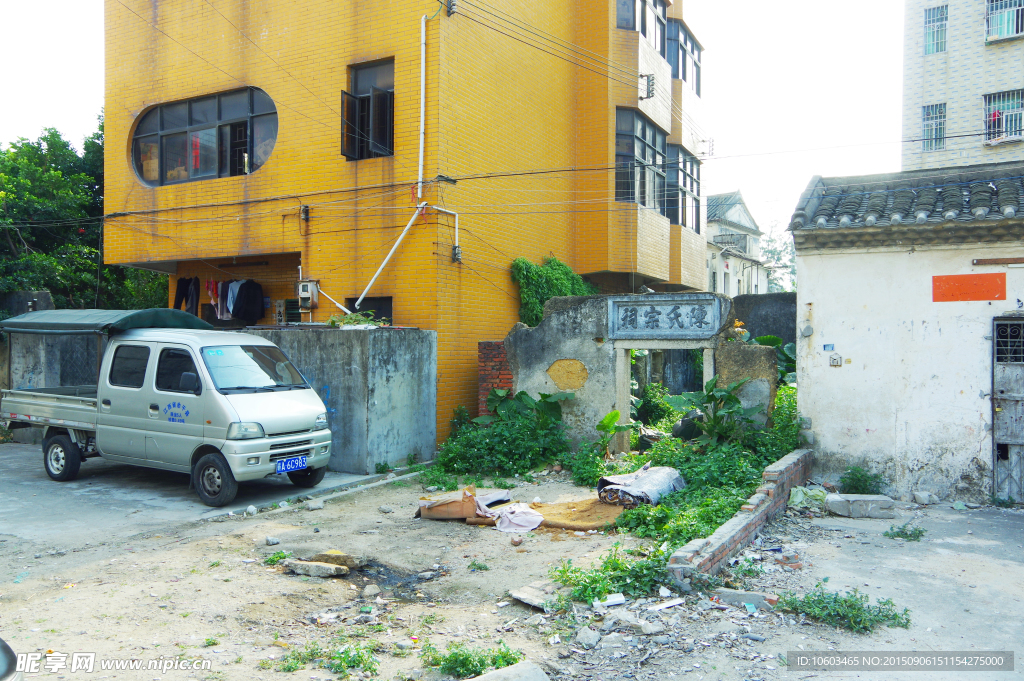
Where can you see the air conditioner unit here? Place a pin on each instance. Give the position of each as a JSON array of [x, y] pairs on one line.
[[309, 295]]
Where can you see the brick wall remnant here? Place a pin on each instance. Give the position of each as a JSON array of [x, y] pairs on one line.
[[493, 372]]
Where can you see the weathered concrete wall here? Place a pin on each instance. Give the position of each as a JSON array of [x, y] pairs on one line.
[[735, 361], [573, 329], [380, 388], [909, 398], [17, 302], [769, 314]]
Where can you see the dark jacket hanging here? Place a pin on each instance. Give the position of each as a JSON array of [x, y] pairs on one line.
[[249, 302]]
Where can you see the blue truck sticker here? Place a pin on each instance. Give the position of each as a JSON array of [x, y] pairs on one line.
[[176, 412]]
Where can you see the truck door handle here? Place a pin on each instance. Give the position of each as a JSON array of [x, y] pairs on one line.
[[105, 403], [154, 407]]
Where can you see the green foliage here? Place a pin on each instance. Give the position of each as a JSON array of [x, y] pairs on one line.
[[51, 207], [478, 566], [383, 467], [524, 433], [783, 437], [277, 557], [747, 568], [904, 531], [502, 484], [587, 463], [654, 408], [210, 642], [851, 610], [1009, 502], [785, 354], [436, 476], [460, 419], [725, 419], [353, 656], [633, 572], [461, 661], [357, 319], [681, 517], [777, 249], [857, 480], [538, 284]]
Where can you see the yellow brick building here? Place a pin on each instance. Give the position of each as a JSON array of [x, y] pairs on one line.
[[228, 123]]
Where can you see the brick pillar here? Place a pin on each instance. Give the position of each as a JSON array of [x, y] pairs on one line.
[[494, 372]]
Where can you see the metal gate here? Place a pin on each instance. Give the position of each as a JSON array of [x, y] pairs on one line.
[[1008, 409]]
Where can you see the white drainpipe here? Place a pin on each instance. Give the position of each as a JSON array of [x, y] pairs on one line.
[[423, 99], [419, 209]]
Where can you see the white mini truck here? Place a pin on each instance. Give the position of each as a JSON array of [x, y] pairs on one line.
[[176, 394]]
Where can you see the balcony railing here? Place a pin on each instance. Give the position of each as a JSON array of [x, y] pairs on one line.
[[1004, 19]]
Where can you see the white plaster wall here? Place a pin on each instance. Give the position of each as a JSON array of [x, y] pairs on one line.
[[908, 402], [960, 78]]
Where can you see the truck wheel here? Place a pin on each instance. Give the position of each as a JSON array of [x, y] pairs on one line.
[[309, 477], [215, 484], [61, 458]]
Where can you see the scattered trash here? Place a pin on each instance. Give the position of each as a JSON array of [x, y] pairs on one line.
[[462, 504], [666, 605], [644, 486], [613, 599], [517, 541], [518, 518], [959, 506], [535, 594]]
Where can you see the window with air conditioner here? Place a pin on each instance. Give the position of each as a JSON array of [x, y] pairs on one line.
[[368, 112]]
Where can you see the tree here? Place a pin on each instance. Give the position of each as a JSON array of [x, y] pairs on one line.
[[778, 251], [51, 213]]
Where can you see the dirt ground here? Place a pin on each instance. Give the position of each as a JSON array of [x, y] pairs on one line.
[[202, 591]]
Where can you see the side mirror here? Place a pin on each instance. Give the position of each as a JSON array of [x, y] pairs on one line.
[[189, 383]]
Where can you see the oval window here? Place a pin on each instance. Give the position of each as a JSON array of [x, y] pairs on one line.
[[223, 135]]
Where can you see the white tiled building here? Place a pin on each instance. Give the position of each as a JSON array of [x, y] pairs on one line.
[[734, 260], [963, 82]]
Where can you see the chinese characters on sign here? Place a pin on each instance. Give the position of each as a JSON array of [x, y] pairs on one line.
[[696, 316]]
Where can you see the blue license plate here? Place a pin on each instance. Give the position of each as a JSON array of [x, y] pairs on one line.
[[289, 465]]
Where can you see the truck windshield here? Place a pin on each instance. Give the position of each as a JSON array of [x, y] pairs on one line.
[[251, 368]]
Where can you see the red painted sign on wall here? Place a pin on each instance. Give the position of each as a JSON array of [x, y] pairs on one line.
[[958, 287]]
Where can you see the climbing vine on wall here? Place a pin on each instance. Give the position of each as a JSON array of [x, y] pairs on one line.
[[539, 283]]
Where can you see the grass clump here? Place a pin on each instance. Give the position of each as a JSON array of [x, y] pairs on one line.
[[515, 444], [461, 661], [277, 557], [851, 610], [904, 531], [857, 480], [1009, 502], [210, 642], [633, 572], [338, 660], [478, 566]]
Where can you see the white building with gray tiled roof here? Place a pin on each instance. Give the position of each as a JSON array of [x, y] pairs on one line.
[[734, 247], [963, 82]]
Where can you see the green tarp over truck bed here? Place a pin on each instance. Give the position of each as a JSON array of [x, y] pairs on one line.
[[100, 321]]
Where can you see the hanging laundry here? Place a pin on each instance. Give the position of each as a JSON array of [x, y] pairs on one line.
[[248, 303]]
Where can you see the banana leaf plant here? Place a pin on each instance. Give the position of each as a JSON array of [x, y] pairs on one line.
[[547, 408], [725, 417]]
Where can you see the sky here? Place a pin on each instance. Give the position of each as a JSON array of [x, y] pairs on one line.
[[792, 89]]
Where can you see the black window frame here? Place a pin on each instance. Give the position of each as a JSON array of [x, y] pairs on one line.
[[234, 137], [159, 362], [640, 159], [683, 196], [114, 365], [368, 120], [684, 55], [638, 15]]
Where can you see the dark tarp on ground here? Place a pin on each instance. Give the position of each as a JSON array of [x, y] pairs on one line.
[[78, 322]]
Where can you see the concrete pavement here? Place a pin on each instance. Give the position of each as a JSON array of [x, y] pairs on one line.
[[111, 500]]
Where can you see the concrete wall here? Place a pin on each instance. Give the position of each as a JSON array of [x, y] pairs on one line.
[[768, 314], [757, 364], [573, 330], [380, 388], [909, 398], [16, 302]]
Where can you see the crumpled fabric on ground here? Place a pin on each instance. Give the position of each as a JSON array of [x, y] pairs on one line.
[[644, 486], [518, 518], [801, 497]]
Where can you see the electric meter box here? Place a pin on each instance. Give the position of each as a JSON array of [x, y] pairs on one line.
[[309, 295]]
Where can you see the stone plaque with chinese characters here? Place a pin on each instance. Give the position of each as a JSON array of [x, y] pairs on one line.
[[672, 316]]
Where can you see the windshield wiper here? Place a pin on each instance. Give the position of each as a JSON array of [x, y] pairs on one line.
[[262, 388]]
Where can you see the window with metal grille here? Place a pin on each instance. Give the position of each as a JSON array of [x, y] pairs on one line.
[[1004, 18], [934, 127], [1010, 342], [368, 113], [935, 20], [639, 160], [1004, 114], [222, 135], [682, 197]]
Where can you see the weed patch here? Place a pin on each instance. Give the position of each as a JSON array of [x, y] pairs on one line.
[[851, 610], [904, 531], [478, 566], [857, 480], [462, 661], [276, 557]]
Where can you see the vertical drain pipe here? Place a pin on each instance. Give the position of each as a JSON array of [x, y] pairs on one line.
[[423, 100]]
